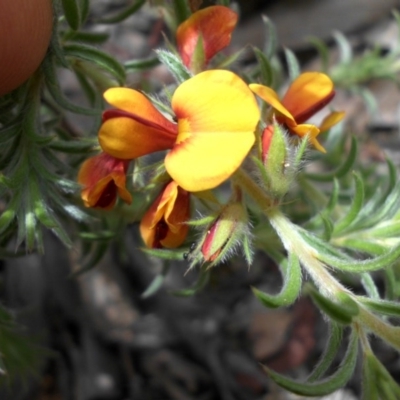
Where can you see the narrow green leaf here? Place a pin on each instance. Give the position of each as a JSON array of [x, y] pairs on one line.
[[356, 205], [372, 264], [370, 286], [323, 52], [391, 284], [166, 254], [141, 64], [122, 15], [271, 38], [174, 65], [292, 281], [334, 310], [327, 385], [157, 282], [328, 227], [293, 64], [53, 86], [342, 170], [346, 53], [369, 378], [102, 59], [86, 37], [72, 13], [73, 146], [104, 235], [85, 8], [200, 284], [364, 245], [385, 307], [94, 258], [330, 352], [266, 71], [9, 132]]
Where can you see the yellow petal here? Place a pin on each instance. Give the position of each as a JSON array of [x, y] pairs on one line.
[[308, 94], [125, 138], [214, 24], [332, 119], [271, 97], [217, 115], [312, 131]]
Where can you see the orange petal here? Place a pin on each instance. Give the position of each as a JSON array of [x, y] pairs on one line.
[[217, 115], [330, 120], [140, 108], [271, 97], [308, 94], [125, 138], [103, 177], [215, 25], [164, 224]]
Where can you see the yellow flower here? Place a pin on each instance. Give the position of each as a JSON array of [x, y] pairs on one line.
[[103, 177], [212, 26], [164, 224], [307, 94], [216, 116]]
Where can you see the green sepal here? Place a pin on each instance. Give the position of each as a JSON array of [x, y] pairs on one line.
[[174, 65], [356, 205], [292, 281], [72, 13], [327, 385], [98, 57], [198, 60], [342, 170], [124, 14]]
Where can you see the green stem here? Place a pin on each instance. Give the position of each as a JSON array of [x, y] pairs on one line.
[[308, 256]]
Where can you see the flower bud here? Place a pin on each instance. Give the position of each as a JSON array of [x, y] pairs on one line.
[[275, 157], [227, 230]]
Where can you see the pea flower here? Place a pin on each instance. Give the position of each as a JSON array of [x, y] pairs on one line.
[[216, 116], [307, 94], [209, 28], [164, 224], [103, 177]]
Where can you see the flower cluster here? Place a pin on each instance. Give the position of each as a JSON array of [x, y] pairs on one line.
[[214, 124]]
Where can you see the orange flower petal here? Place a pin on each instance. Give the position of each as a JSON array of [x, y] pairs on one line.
[[308, 94], [103, 177], [164, 224], [215, 25], [312, 131], [140, 107], [271, 97], [125, 138], [330, 120], [217, 115]]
